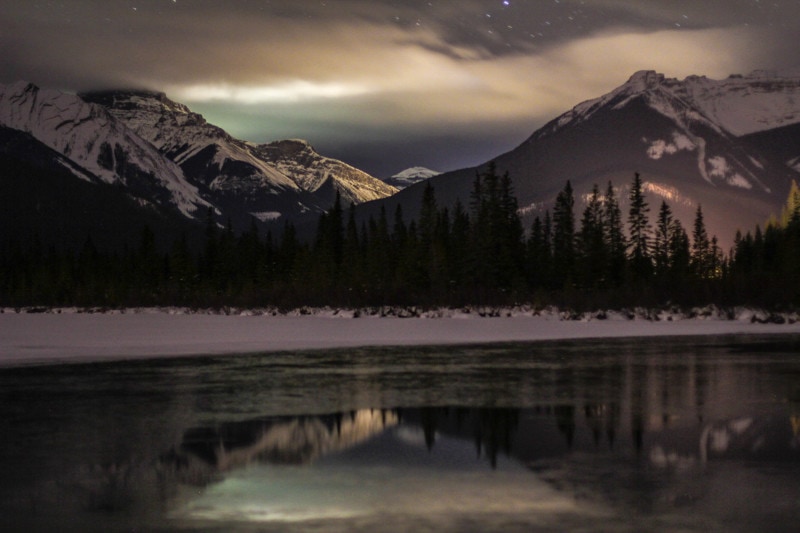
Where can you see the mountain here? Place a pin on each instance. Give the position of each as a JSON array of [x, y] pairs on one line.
[[42, 202], [695, 142], [154, 159], [410, 176], [99, 148], [281, 179]]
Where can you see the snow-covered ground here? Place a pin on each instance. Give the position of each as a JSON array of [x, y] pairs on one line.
[[66, 335]]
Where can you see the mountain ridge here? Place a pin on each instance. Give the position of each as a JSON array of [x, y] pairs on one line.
[[254, 172], [731, 146], [649, 125], [98, 143], [160, 153]]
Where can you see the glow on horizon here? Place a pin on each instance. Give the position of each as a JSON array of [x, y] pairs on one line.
[[289, 92]]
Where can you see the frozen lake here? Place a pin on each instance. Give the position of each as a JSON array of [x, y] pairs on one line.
[[648, 434]]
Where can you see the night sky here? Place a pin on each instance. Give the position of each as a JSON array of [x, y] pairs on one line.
[[383, 84]]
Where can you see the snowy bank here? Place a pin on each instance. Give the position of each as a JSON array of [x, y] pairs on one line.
[[68, 335]]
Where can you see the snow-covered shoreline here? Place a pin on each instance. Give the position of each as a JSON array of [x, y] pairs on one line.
[[79, 335]]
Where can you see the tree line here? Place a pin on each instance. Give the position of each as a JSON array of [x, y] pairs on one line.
[[475, 254]]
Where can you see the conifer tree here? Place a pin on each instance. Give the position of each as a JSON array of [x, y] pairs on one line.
[[510, 235], [679, 252], [639, 232], [614, 238], [383, 254], [791, 211], [538, 255], [591, 242], [564, 237], [662, 256], [700, 263], [459, 248]]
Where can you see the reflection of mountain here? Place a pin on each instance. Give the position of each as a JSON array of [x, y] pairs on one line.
[[297, 440], [527, 435]]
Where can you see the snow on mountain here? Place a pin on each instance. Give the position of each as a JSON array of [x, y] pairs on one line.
[[699, 120], [745, 104], [683, 137], [204, 151], [312, 171], [286, 177], [410, 176], [738, 104], [94, 140]]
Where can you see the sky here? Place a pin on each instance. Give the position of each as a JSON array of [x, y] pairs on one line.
[[383, 84]]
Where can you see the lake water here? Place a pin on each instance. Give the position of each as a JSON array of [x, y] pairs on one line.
[[665, 434]]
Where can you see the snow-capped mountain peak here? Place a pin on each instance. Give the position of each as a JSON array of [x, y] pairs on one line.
[[644, 80], [311, 171], [745, 104], [729, 145], [410, 176], [96, 141], [739, 104], [286, 177]]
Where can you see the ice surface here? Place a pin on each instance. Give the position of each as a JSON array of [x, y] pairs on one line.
[[64, 336]]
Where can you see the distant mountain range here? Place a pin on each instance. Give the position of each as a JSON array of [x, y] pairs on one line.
[[163, 156], [732, 146]]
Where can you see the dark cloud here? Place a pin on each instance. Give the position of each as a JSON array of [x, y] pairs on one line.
[[433, 79]]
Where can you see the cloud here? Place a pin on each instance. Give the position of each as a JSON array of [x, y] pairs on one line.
[[418, 83], [354, 69], [291, 92]]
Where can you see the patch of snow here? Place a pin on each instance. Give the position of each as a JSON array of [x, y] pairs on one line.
[[756, 162], [720, 169], [679, 142], [410, 176], [746, 104], [658, 148], [737, 180], [265, 216]]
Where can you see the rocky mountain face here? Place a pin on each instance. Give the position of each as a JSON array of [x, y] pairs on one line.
[[267, 181], [731, 146], [47, 200], [164, 156], [99, 147]]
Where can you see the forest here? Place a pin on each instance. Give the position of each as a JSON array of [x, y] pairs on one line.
[[475, 254]]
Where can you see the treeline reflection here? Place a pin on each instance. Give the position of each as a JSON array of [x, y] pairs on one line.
[[523, 435]]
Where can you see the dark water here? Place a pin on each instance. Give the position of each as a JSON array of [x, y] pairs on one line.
[[698, 434]]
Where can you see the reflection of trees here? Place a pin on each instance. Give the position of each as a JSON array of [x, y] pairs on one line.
[[565, 420], [495, 431], [602, 418], [626, 404], [492, 430], [638, 380]]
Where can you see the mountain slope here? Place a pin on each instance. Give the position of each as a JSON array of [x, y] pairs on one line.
[[103, 148], [661, 128], [315, 173], [286, 178], [41, 199]]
